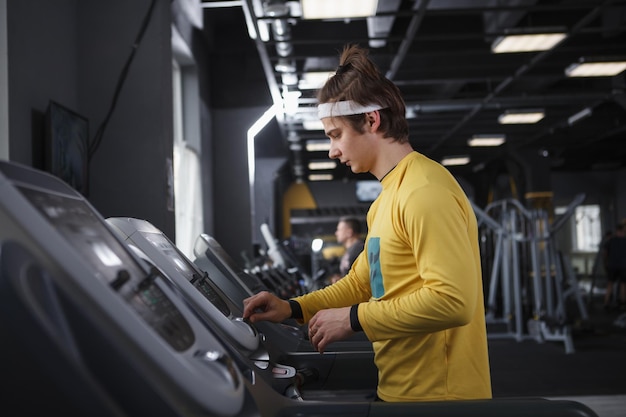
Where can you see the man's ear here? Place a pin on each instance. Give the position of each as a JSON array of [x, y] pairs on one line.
[[373, 120]]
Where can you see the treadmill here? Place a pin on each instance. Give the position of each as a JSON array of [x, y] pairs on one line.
[[111, 336], [265, 345], [95, 317], [238, 284]]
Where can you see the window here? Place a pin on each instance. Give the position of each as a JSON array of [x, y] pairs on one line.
[[188, 194], [587, 231]]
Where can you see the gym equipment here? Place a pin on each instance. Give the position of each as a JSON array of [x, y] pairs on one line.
[[238, 284], [536, 290], [111, 325], [283, 261], [106, 331], [505, 276], [263, 350]]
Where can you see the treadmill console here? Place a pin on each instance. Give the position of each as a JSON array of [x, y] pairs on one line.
[[192, 284], [210, 256], [113, 265], [116, 319], [197, 278]]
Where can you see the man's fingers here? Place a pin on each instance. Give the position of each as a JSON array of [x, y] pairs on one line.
[[317, 338], [258, 316], [254, 304]]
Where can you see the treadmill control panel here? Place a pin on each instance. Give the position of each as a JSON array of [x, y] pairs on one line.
[[209, 247], [200, 281], [203, 284], [78, 224]]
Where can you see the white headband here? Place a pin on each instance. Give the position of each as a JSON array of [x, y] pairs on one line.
[[344, 108]]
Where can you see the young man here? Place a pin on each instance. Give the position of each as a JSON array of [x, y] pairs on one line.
[[347, 234], [416, 289]]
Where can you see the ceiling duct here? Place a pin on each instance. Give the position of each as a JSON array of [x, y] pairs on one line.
[[496, 21], [281, 31], [282, 35], [379, 27]]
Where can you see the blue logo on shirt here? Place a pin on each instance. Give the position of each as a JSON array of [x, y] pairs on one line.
[[376, 275]]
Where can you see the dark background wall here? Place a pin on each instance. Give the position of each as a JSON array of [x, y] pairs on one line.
[[232, 201], [73, 52]]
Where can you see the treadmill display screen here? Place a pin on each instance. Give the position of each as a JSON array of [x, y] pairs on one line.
[[89, 236], [83, 230], [187, 270], [164, 245], [216, 253]]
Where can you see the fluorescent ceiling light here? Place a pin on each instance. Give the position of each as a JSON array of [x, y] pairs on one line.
[[322, 145], [486, 140], [289, 78], [320, 177], [526, 42], [455, 160], [314, 80], [338, 9], [290, 101], [521, 116], [317, 165], [586, 68], [312, 125], [285, 65], [575, 118]]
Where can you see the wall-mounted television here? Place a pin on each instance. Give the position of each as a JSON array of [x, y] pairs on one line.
[[67, 145], [367, 190]]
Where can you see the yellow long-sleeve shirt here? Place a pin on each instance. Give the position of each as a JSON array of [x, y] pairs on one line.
[[419, 288]]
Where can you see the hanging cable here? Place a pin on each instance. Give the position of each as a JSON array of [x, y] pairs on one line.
[[120, 82]]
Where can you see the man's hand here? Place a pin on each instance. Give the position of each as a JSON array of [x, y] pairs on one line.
[[266, 306], [328, 326]]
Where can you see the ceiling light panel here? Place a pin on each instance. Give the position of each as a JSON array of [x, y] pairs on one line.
[[455, 160], [322, 145], [526, 42], [575, 118], [314, 80], [320, 165], [338, 9], [595, 69], [312, 125], [486, 140], [521, 117], [320, 177]]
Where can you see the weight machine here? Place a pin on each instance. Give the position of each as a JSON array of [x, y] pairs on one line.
[[530, 279]]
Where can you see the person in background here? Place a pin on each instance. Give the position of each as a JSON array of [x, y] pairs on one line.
[[416, 289], [603, 252], [348, 234], [616, 269]]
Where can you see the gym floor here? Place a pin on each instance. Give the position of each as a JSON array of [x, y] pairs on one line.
[[593, 374]]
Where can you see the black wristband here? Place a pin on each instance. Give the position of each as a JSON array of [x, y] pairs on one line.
[[354, 318], [296, 310]]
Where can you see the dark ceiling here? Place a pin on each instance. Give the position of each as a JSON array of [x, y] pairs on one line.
[[439, 53]]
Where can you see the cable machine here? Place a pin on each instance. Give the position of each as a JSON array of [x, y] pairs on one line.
[[530, 279]]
